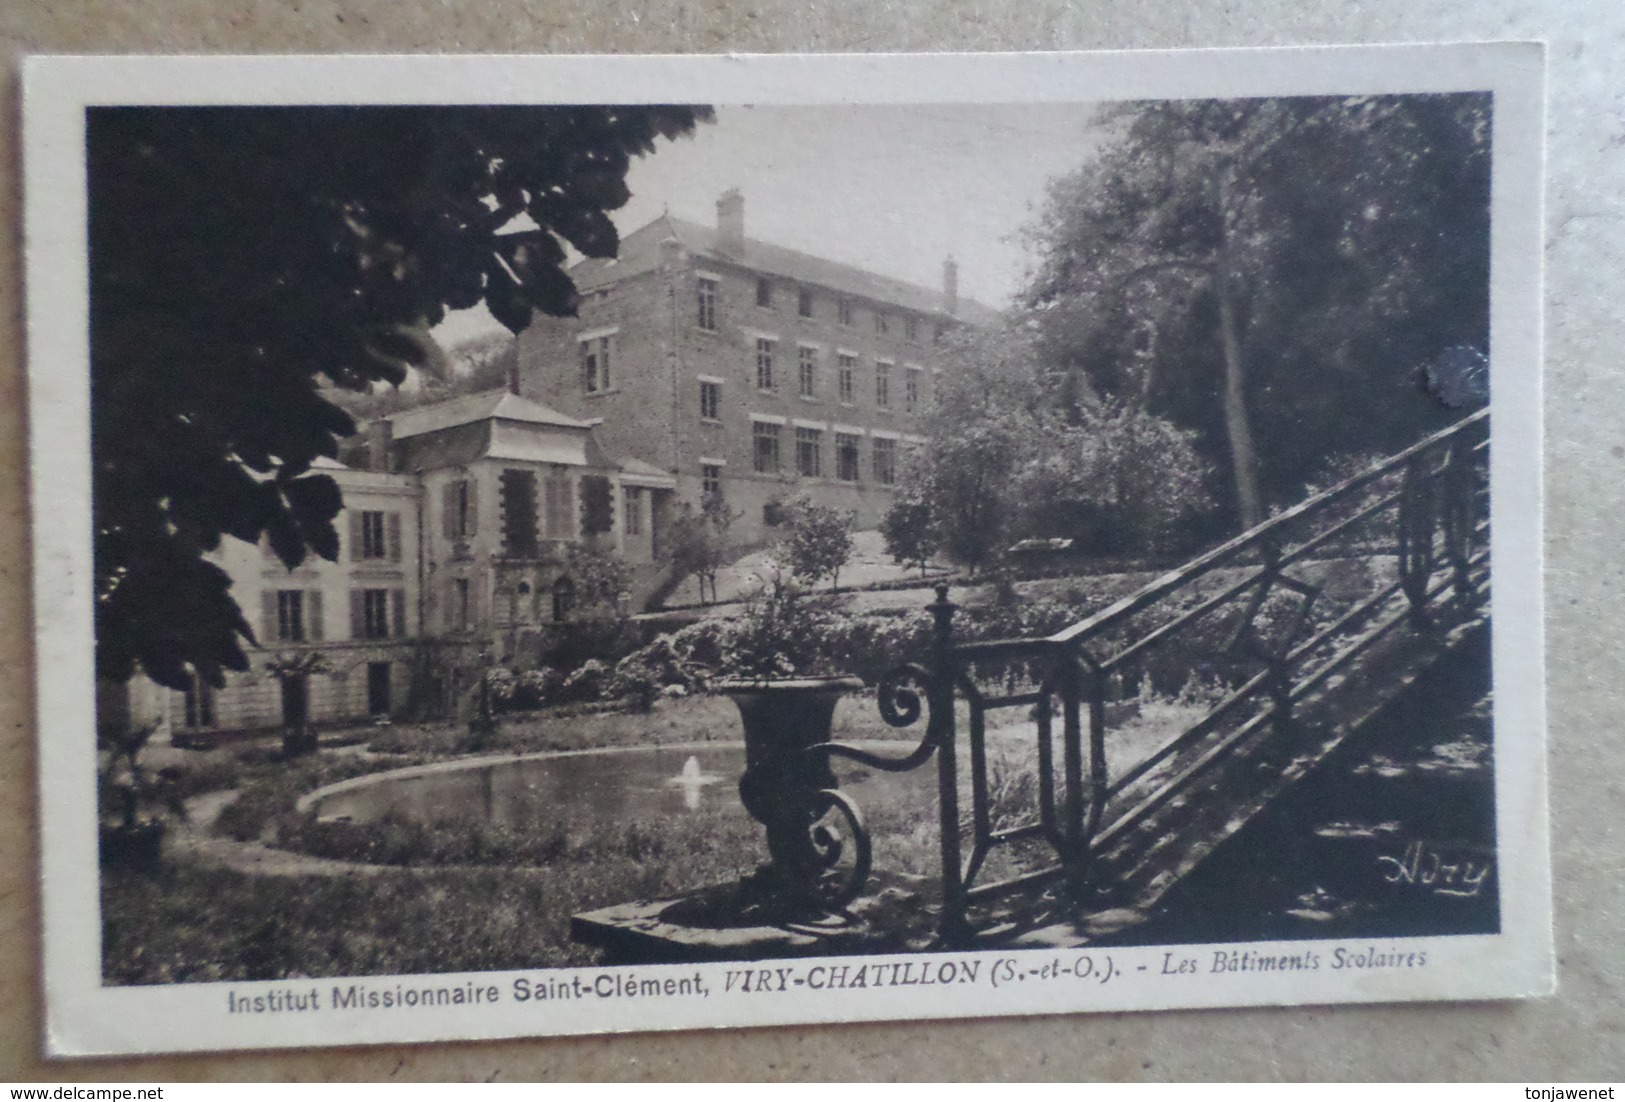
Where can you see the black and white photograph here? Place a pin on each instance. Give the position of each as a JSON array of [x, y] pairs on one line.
[[662, 543]]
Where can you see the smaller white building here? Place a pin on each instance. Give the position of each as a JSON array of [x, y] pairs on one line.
[[453, 547]]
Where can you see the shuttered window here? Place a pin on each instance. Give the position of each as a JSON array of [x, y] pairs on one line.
[[292, 615], [459, 509], [519, 513], [560, 507]]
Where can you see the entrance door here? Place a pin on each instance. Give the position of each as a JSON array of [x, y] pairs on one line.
[[295, 701], [378, 688]]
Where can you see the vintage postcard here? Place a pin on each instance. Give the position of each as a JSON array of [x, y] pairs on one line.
[[532, 546]]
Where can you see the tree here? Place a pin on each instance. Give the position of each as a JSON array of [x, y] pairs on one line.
[[1014, 451], [993, 409], [1256, 269], [818, 542], [244, 257], [698, 543], [909, 528]]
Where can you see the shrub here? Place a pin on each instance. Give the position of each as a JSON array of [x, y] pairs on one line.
[[586, 683], [637, 687]]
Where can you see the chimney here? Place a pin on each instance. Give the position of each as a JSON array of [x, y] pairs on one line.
[[950, 285], [511, 354], [731, 220]]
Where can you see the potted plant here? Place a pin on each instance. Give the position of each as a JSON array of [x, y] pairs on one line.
[[133, 800], [779, 670]]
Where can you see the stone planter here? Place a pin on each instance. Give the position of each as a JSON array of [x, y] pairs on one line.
[[815, 834]]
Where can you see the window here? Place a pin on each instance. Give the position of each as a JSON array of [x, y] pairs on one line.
[[710, 400], [765, 450], [377, 613], [764, 362], [595, 356], [808, 360], [293, 615], [634, 510], [882, 324], [372, 536], [911, 327], [882, 385], [706, 299], [290, 615], [459, 608], [518, 489], [457, 505], [846, 457], [804, 303], [597, 505], [764, 293], [843, 311], [936, 333], [711, 479], [848, 373], [885, 461], [199, 702], [911, 389], [373, 609], [809, 452]]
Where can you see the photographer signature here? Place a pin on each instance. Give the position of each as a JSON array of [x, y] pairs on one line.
[[1425, 866]]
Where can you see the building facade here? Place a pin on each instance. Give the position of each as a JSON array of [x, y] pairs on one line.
[[743, 369], [455, 548]]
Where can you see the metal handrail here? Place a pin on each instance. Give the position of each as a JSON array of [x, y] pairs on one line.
[[1443, 477]]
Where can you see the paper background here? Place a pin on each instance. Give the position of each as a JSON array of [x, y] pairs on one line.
[[1575, 1035]]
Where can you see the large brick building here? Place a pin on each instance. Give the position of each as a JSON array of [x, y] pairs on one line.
[[740, 368]]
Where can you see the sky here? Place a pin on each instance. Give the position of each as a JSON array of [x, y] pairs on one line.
[[894, 189]]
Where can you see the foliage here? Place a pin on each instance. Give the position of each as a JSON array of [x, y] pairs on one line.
[[777, 634], [698, 544], [1004, 461], [818, 542], [245, 257], [1270, 273], [128, 788], [473, 366], [602, 580]]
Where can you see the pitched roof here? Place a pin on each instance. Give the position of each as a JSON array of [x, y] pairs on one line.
[[635, 472], [640, 252], [487, 405]]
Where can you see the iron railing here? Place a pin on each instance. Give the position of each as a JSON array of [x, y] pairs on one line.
[[1238, 636]]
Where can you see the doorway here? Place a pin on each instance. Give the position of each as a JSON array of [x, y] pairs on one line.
[[378, 703]]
